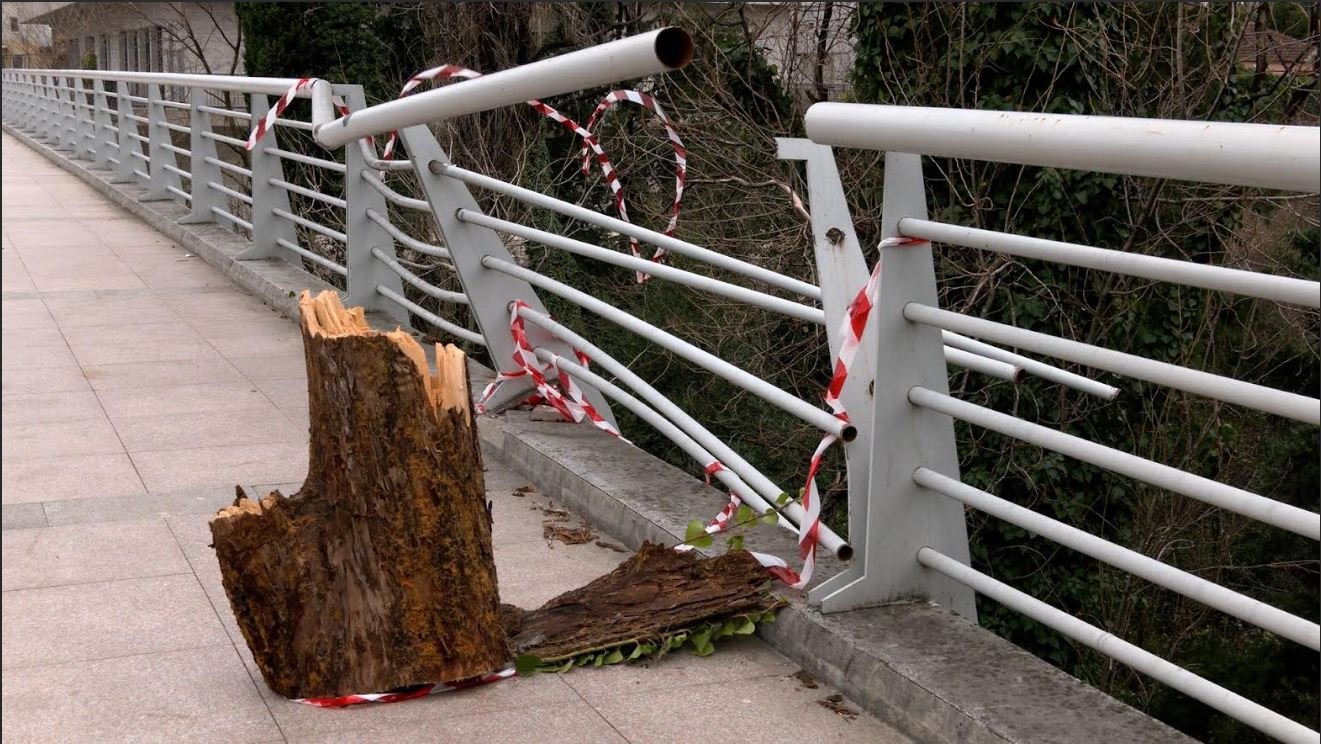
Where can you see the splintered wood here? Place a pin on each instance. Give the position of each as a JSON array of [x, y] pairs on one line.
[[378, 573]]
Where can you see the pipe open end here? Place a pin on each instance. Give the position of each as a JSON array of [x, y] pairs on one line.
[[674, 47], [848, 433], [1018, 376], [845, 552]]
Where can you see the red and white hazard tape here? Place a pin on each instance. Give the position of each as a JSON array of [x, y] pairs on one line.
[[680, 154], [411, 693], [266, 122]]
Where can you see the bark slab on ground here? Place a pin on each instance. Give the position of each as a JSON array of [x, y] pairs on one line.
[[378, 573]]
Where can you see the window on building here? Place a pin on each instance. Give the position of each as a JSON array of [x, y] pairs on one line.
[[103, 56], [13, 23], [20, 61], [123, 50], [158, 49]]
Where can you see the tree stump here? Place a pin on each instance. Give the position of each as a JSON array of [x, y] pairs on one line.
[[378, 573]]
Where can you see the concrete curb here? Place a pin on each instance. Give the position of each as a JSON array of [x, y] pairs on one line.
[[930, 673]]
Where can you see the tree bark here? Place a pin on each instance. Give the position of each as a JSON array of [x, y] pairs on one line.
[[378, 573]]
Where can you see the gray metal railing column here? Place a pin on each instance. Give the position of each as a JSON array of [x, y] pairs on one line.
[[490, 293], [84, 145], [158, 135], [202, 148], [842, 273], [365, 271], [268, 227], [48, 116], [903, 517], [101, 125], [127, 145]]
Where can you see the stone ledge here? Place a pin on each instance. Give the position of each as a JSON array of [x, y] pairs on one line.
[[930, 673]]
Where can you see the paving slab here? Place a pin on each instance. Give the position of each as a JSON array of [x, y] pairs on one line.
[[69, 477], [81, 554]]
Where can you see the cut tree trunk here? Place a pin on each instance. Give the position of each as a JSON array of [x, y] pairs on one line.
[[655, 592], [378, 573]]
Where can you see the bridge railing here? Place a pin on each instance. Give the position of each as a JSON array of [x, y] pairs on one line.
[[1262, 156], [907, 530]]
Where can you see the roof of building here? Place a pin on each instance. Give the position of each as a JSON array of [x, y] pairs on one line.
[[1282, 51]]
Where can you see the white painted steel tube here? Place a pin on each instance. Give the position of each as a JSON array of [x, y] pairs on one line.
[[392, 196], [1236, 706], [232, 218], [673, 245], [727, 456], [245, 116], [334, 201], [236, 169], [374, 162], [405, 238], [305, 159], [1237, 500], [236, 83], [660, 271], [1261, 155], [230, 192], [638, 56], [780, 399], [310, 256], [667, 429], [444, 295], [1208, 593], [316, 227], [224, 138], [1031, 366], [1237, 281], [430, 317], [979, 363], [1229, 390]]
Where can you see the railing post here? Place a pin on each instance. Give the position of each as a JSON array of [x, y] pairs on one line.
[[490, 293], [842, 273], [64, 118], [158, 135], [50, 111], [69, 132], [127, 145], [83, 146], [267, 227], [365, 271], [903, 517], [202, 147], [101, 124]]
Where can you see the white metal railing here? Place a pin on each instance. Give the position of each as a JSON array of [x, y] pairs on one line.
[[906, 502]]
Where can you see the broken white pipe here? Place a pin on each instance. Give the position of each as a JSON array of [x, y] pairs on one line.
[[638, 56]]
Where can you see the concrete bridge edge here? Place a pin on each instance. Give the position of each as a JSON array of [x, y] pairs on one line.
[[930, 673]]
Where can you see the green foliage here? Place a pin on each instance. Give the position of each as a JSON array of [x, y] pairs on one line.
[[1119, 60], [89, 61], [700, 640]]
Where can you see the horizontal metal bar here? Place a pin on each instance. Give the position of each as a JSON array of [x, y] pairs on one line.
[[660, 271], [310, 256], [304, 159], [229, 113], [793, 513], [1031, 366], [237, 83], [139, 138], [1237, 500], [139, 119], [136, 99], [180, 193], [787, 402], [175, 127], [310, 225], [231, 192], [1229, 390], [173, 104], [671, 244], [984, 365], [110, 128], [224, 138], [294, 124], [1261, 155], [1208, 593], [111, 158], [309, 193], [403, 237], [232, 168], [177, 150], [392, 196], [139, 155], [232, 218], [444, 295], [637, 56], [180, 172], [369, 156], [1219, 278], [1235, 706], [430, 317]]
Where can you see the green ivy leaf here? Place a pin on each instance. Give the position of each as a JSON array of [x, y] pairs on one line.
[[526, 665], [782, 499], [614, 657], [770, 518], [744, 514], [701, 542], [747, 627], [695, 530], [735, 542]]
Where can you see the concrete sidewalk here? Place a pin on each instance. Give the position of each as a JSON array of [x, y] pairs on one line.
[[139, 385]]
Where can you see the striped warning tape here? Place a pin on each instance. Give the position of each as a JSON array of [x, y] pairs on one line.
[[266, 122], [410, 693]]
